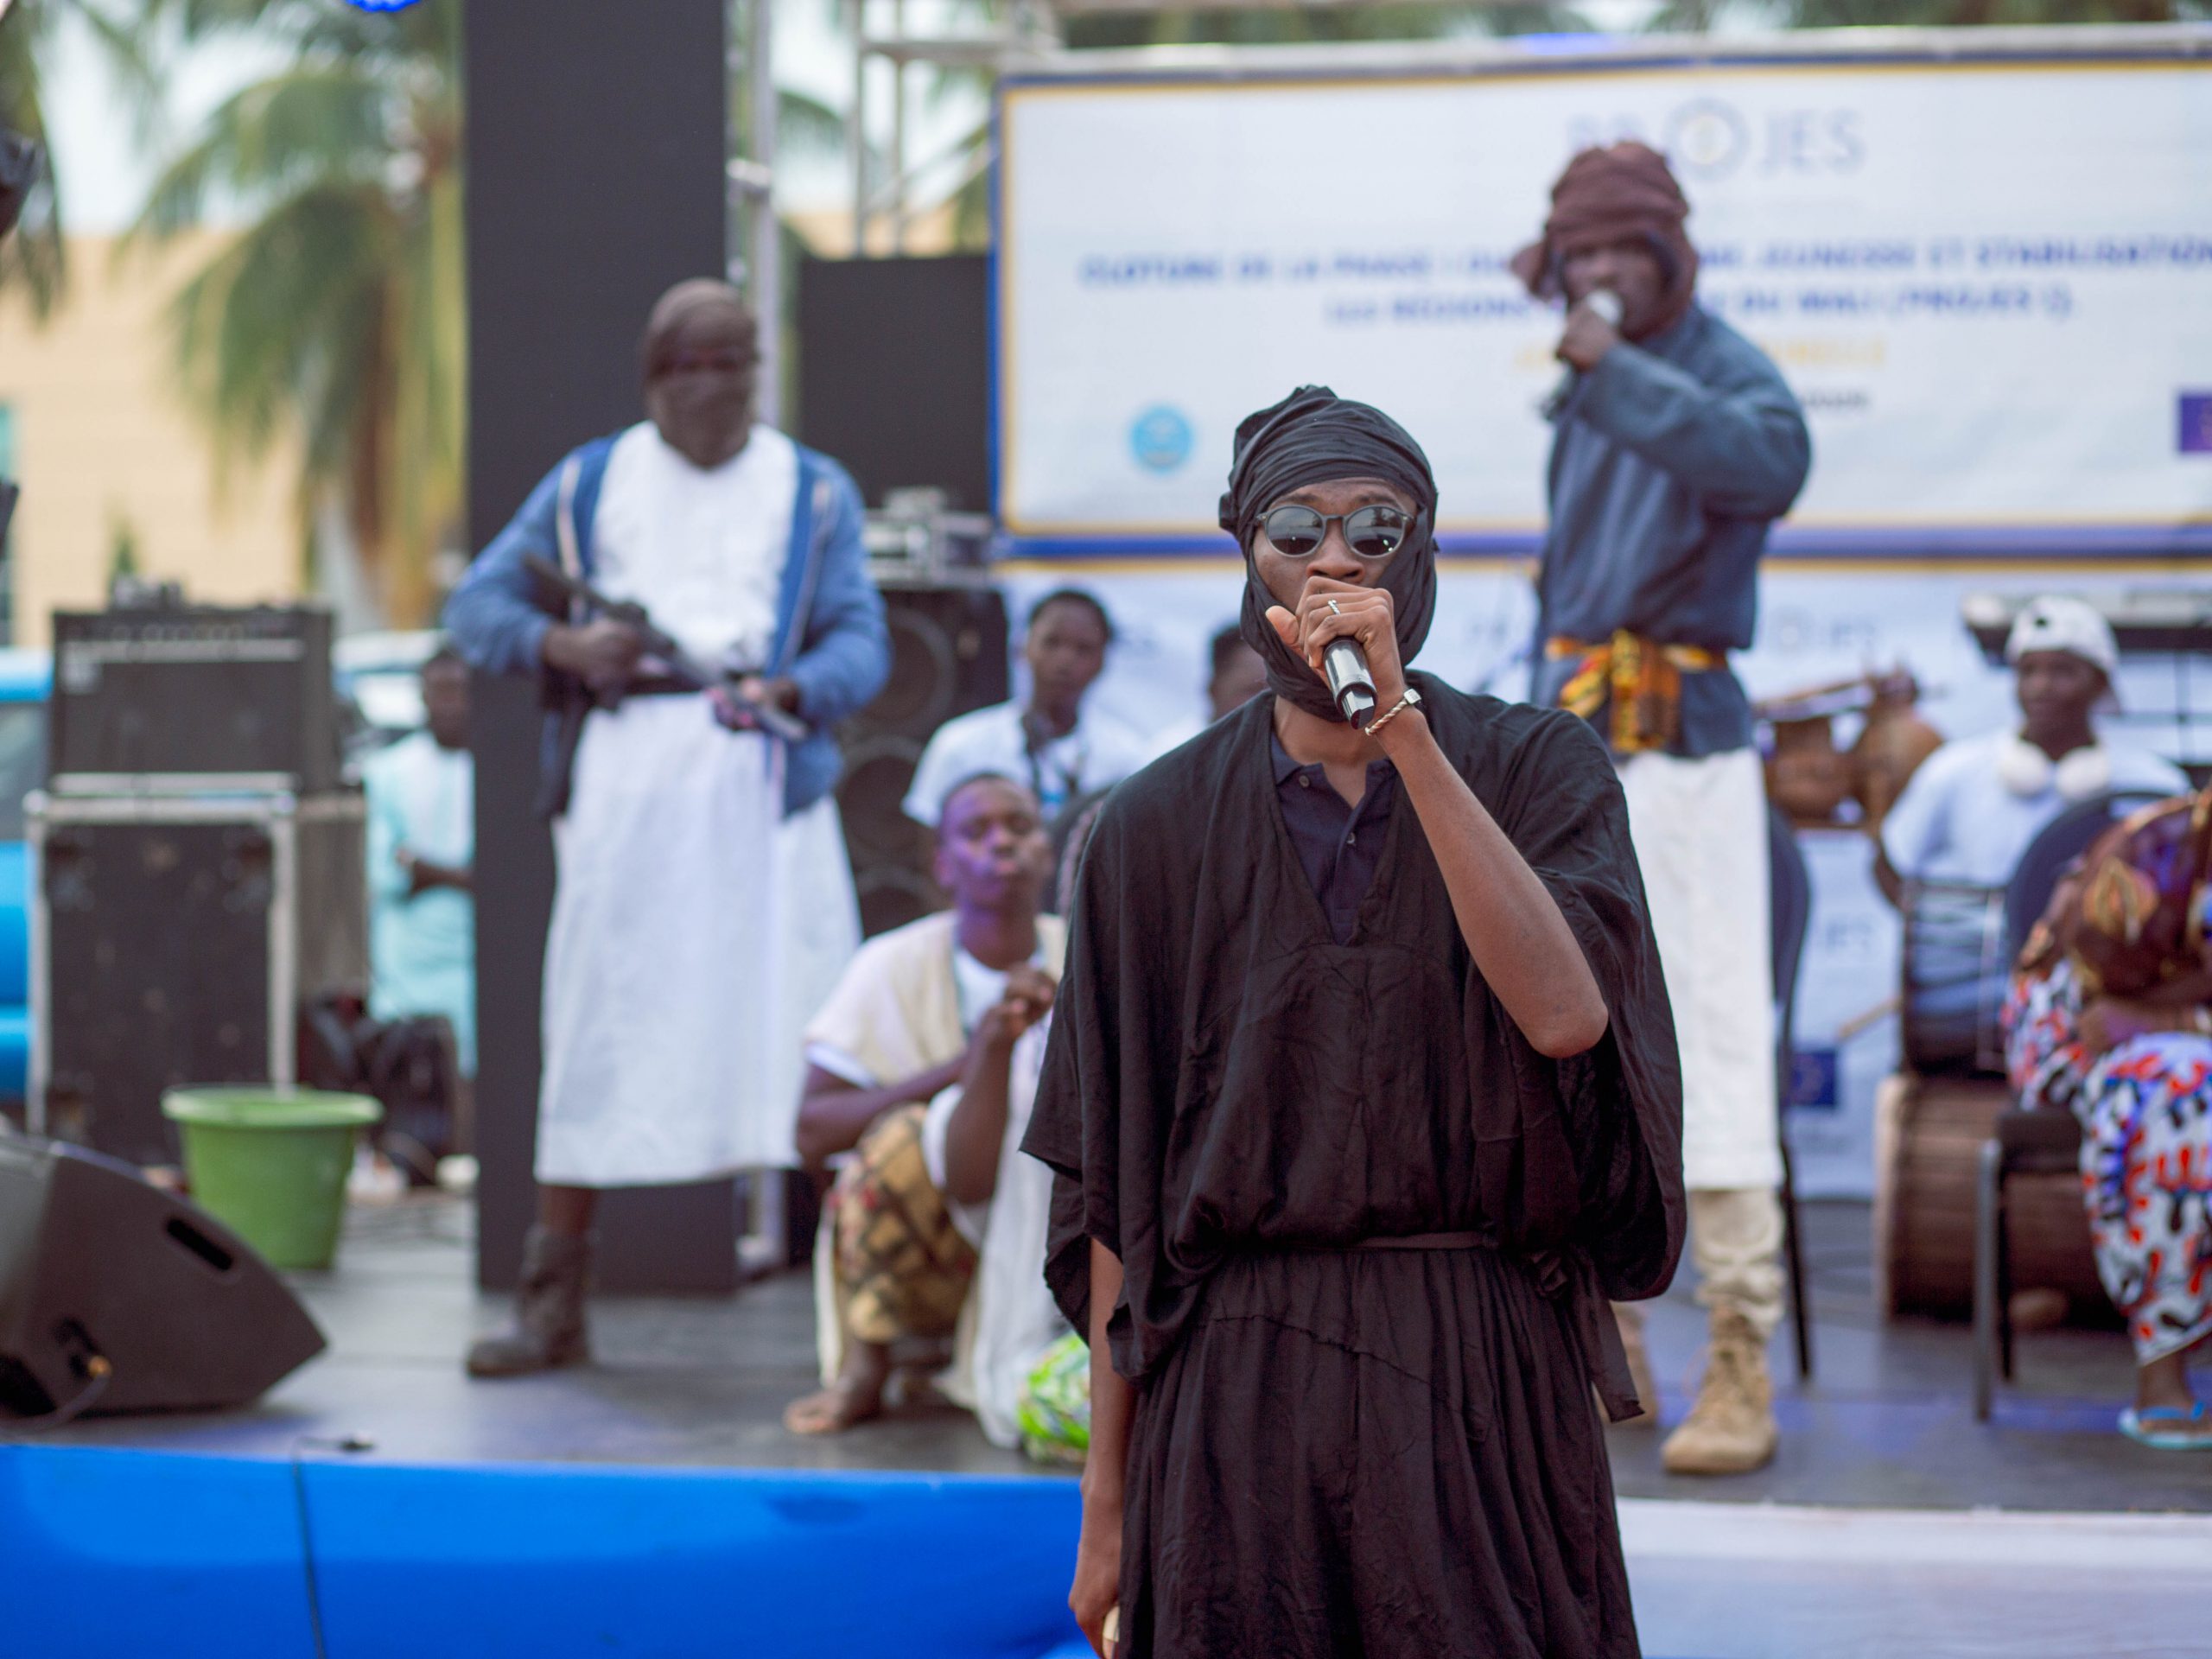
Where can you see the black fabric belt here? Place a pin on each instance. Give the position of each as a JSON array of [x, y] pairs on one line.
[[1428, 1242], [1471, 1241]]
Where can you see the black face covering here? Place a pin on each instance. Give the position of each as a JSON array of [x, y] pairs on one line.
[[1313, 436]]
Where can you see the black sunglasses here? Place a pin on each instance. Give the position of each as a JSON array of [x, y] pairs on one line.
[[1373, 532]]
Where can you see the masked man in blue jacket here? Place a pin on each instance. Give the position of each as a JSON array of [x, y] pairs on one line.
[[703, 906]]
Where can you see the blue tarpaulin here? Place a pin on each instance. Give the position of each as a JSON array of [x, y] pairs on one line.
[[152, 1555]]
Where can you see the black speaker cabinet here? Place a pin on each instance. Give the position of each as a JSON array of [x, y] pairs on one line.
[[948, 656], [173, 941], [101, 1272], [195, 696], [880, 338]]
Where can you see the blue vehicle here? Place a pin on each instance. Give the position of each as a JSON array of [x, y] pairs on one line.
[[25, 678]]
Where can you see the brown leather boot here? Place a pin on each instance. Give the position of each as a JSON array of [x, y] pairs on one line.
[[1630, 1318], [548, 1311], [1731, 1429]]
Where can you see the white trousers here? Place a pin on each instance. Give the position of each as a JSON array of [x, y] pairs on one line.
[[1701, 833]]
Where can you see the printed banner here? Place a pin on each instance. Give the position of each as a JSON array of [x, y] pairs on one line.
[[1990, 283]]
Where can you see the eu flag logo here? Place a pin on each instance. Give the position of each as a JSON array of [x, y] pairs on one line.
[[1812, 1080], [2196, 423]]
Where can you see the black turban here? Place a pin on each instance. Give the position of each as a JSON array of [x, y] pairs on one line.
[[1313, 436]]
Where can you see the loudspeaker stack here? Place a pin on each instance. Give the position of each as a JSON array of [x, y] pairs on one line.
[[201, 868]]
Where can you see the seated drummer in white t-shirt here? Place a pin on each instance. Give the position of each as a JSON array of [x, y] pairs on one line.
[[1051, 743], [1976, 804]]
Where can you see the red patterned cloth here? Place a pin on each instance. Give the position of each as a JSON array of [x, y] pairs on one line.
[[2145, 1111]]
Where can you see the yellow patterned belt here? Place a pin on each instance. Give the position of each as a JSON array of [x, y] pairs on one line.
[[1643, 679]]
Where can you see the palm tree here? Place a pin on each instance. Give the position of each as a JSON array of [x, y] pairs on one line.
[[339, 314], [35, 259]]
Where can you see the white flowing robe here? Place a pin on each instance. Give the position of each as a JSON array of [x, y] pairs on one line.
[[695, 927]]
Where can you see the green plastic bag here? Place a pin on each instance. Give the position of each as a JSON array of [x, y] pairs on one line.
[[1054, 1414]]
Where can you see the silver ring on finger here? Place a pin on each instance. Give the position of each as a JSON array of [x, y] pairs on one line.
[[1333, 611]]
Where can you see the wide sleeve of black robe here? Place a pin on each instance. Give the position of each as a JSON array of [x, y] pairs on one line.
[[1601, 1131], [1189, 906]]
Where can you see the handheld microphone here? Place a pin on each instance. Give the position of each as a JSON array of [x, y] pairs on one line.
[[1607, 305], [1344, 665]]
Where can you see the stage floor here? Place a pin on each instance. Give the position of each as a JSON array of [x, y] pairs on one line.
[[1874, 1533], [1886, 1422]]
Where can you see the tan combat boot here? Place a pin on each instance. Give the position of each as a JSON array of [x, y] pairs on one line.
[[1730, 1430]]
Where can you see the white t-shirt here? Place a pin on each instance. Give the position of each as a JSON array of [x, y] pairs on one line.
[[1959, 821], [1099, 752]]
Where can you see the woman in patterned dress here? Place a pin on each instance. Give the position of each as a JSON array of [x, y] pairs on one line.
[[2109, 1019]]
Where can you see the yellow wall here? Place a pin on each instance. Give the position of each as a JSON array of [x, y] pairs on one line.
[[101, 437], [828, 231]]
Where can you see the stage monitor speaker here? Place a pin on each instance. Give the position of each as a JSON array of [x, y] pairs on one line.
[[948, 656], [117, 1296]]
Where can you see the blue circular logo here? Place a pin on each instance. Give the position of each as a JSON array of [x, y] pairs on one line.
[[382, 5], [1161, 439]]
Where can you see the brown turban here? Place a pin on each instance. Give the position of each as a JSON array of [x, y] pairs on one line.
[[1610, 195]]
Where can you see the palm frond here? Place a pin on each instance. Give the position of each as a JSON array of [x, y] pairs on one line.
[[318, 121], [123, 45], [337, 320], [271, 329]]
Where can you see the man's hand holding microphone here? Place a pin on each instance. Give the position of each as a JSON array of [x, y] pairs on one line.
[[1593, 328]]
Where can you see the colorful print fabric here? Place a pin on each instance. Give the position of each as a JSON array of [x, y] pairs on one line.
[[2145, 1111]]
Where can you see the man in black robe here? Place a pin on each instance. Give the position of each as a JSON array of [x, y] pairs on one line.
[[1363, 1095]]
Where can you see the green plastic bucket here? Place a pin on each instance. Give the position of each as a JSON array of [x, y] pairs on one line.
[[271, 1164]]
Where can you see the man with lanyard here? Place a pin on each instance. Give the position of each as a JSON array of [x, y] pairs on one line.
[[911, 1066], [1062, 751], [704, 904], [1677, 446]]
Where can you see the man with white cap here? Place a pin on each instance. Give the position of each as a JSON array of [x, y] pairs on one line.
[[1974, 806]]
